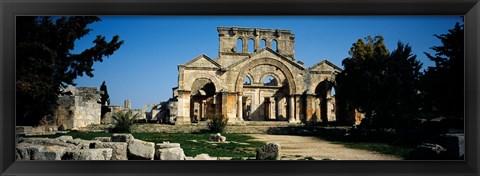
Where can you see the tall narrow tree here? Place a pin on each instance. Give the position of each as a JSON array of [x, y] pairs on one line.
[[444, 82], [380, 84]]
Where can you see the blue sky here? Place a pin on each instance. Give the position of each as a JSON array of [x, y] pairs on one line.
[[144, 69]]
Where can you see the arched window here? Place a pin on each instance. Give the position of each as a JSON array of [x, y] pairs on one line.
[[274, 45], [263, 43], [270, 81], [247, 81], [239, 45], [251, 45], [332, 92]]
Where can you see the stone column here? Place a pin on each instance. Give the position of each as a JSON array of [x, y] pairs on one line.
[[183, 113], [310, 107], [291, 108], [272, 108], [244, 45], [239, 107], [203, 109], [318, 110]]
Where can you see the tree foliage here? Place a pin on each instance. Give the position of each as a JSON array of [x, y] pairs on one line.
[[124, 121], [380, 84], [104, 98], [44, 61], [216, 123], [443, 83]]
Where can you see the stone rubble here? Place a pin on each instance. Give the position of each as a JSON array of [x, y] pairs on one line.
[[217, 138], [121, 146]]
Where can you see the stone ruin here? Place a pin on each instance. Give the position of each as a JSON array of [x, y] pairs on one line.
[[78, 107], [120, 146]]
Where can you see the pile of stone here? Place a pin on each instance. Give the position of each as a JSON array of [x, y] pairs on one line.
[[117, 147], [217, 138]]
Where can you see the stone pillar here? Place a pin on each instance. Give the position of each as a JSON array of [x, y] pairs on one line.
[[244, 45], [272, 109], [239, 107], [318, 110], [183, 113], [127, 104], [291, 108], [203, 109], [310, 107], [229, 103], [299, 108]]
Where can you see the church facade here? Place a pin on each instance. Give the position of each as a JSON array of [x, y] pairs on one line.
[[256, 77]]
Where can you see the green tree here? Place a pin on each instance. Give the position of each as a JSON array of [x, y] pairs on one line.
[[380, 84], [104, 98], [44, 61], [443, 83]]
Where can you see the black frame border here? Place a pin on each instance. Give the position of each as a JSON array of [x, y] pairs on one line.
[[11, 8]]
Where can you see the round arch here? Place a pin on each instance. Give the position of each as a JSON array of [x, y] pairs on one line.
[[266, 61], [262, 78], [215, 81]]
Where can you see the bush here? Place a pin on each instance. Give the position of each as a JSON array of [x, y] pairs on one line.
[[217, 123], [124, 121]]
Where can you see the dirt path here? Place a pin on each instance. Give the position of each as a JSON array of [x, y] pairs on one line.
[[298, 147]]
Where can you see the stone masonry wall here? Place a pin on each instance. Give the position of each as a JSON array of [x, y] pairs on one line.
[[78, 109]]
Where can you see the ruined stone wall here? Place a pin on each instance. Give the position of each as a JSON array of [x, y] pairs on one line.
[[229, 36], [79, 108]]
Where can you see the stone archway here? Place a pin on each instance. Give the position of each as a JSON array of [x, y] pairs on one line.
[[325, 105], [269, 108], [202, 97], [266, 61]]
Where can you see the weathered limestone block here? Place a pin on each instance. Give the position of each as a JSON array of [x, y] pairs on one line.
[[204, 156], [122, 137], [47, 142], [170, 154], [270, 151], [82, 144], [88, 154], [217, 138], [140, 150], [64, 138], [169, 151], [103, 139], [27, 151], [167, 145], [119, 149]]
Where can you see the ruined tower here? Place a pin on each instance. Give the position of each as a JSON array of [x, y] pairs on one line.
[[235, 42]]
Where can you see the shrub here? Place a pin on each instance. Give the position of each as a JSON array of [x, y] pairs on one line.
[[217, 123], [124, 121]]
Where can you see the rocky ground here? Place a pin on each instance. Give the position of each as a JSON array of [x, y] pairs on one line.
[[300, 147]]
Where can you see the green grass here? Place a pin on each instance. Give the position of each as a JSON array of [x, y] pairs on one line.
[[191, 148]]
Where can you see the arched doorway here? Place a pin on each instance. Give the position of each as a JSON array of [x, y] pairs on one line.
[[202, 99], [325, 101], [268, 93]]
